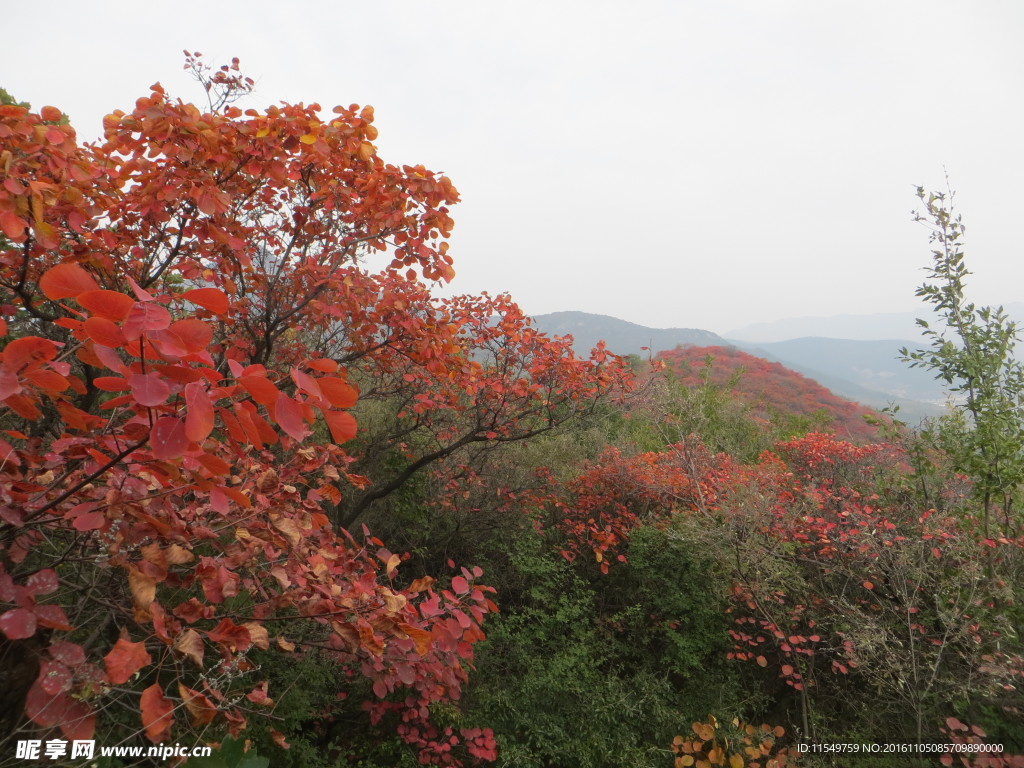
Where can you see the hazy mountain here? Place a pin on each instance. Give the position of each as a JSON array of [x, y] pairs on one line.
[[871, 364], [891, 325], [621, 337]]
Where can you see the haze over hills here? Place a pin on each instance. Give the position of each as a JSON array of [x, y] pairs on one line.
[[889, 325], [873, 365], [865, 371]]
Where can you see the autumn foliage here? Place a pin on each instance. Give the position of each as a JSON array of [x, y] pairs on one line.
[[191, 310]]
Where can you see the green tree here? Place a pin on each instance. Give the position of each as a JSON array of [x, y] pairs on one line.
[[973, 353]]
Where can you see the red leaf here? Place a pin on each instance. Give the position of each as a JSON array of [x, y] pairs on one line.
[[323, 364], [90, 521], [71, 654], [460, 585], [342, 425], [145, 316], [289, 417], [78, 721], [109, 305], [42, 582], [18, 623], [306, 383], [212, 299], [167, 439], [148, 389], [52, 617], [157, 717], [955, 725], [44, 708], [199, 415], [9, 384], [125, 659], [66, 281], [54, 677]]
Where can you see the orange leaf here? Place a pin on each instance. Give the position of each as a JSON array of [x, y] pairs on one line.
[[28, 351], [66, 281], [13, 226], [338, 392], [104, 332], [109, 305], [157, 714], [323, 364], [342, 425], [125, 659], [262, 389], [212, 299], [200, 709], [51, 381]]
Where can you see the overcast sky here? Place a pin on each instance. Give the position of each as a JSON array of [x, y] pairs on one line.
[[693, 164]]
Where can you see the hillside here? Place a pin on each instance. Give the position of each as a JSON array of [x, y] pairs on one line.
[[770, 387]]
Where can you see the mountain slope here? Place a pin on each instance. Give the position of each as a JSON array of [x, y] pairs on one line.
[[770, 387]]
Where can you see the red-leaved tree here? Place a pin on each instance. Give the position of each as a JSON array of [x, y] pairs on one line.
[[188, 310]]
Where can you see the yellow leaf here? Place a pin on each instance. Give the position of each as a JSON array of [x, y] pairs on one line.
[[308, 138], [142, 587], [258, 635], [190, 644], [289, 529], [736, 761], [393, 601], [262, 132]]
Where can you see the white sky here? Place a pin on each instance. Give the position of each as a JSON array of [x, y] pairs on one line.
[[694, 164]]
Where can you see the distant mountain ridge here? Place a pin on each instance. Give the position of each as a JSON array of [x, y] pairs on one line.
[[621, 336]]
